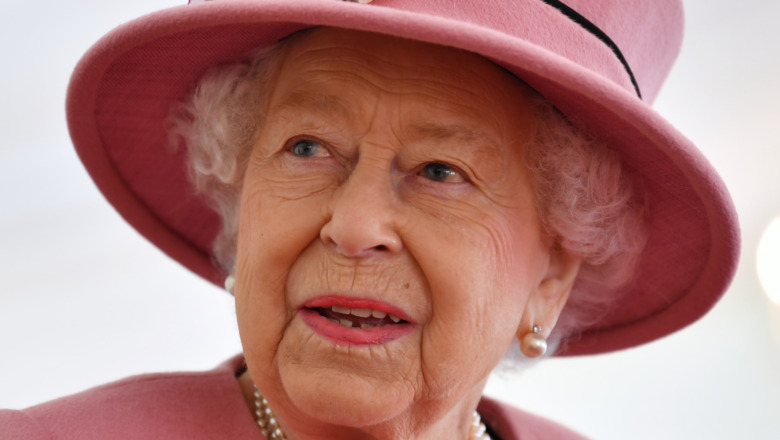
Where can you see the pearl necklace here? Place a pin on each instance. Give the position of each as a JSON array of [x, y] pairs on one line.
[[269, 426]]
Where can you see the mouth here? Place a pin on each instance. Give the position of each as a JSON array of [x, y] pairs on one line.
[[352, 321], [362, 318]]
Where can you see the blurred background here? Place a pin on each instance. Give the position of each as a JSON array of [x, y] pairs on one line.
[[85, 300]]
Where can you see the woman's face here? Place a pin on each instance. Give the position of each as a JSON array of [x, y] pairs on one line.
[[387, 184]]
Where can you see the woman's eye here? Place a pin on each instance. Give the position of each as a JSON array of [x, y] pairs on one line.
[[439, 172], [307, 148]]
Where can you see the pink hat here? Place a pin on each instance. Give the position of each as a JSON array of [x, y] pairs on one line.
[[599, 62]]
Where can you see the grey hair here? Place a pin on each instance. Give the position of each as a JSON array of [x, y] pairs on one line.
[[218, 123], [590, 206], [586, 198]]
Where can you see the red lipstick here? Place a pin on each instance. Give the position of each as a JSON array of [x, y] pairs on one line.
[[355, 321]]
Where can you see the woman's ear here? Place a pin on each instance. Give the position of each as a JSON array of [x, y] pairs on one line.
[[548, 299]]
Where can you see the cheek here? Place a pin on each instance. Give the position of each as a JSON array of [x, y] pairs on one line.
[[282, 211], [473, 247], [273, 231], [480, 279]]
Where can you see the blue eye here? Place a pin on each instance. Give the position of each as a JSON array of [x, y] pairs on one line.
[[305, 148], [439, 172]]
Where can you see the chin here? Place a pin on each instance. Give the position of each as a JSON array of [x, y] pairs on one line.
[[343, 398]]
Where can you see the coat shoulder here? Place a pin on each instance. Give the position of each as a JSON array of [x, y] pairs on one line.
[[510, 423], [192, 405]]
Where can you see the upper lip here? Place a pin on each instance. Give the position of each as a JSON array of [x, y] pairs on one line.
[[328, 301]]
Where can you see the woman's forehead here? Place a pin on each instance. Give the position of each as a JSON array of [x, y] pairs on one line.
[[384, 57], [335, 71]]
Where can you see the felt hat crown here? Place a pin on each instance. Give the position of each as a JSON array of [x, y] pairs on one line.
[[601, 63]]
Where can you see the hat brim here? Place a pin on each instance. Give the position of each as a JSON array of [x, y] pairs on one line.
[[123, 88]]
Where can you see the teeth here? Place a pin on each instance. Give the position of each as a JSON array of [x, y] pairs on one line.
[[340, 309], [362, 313], [346, 323], [366, 325]]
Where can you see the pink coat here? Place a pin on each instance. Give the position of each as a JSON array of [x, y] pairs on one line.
[[197, 406]]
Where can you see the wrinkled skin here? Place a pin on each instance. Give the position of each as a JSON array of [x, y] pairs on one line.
[[389, 170]]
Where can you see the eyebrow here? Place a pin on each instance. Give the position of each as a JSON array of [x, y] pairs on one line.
[[476, 140], [331, 105], [334, 105]]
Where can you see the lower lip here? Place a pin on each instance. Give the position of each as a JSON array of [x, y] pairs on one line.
[[353, 336]]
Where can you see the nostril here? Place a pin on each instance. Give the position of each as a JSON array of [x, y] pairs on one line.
[[360, 235]]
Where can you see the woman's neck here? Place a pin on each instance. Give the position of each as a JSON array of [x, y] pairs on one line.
[[427, 422]]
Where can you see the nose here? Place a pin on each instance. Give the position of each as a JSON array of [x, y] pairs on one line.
[[362, 219]]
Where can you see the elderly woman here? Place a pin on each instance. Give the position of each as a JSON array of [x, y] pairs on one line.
[[395, 192]]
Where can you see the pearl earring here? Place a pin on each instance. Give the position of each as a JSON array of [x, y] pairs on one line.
[[533, 344], [230, 282]]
